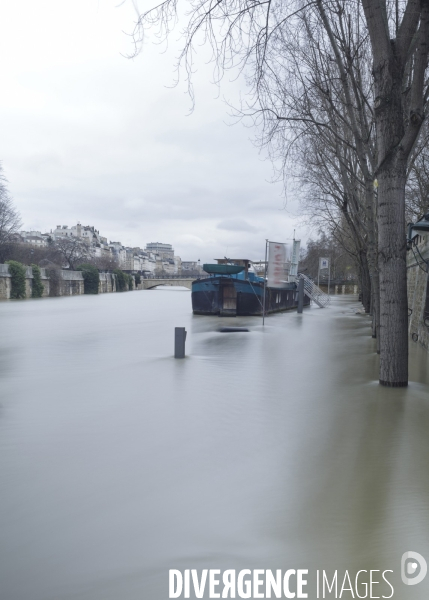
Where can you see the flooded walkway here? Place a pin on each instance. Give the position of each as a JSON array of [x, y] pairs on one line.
[[271, 449]]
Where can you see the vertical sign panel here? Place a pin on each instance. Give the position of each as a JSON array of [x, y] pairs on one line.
[[276, 265], [295, 258]]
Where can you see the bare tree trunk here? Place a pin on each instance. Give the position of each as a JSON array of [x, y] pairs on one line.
[[393, 330], [376, 296], [393, 277], [365, 283], [375, 308], [370, 212], [373, 313]]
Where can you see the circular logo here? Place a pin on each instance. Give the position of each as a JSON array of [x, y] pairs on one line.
[[413, 568]]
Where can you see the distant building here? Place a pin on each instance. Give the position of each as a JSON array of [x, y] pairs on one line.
[[148, 262], [135, 259], [156, 257], [36, 238], [118, 253], [177, 265], [87, 233], [168, 266], [165, 251], [189, 265], [98, 246]]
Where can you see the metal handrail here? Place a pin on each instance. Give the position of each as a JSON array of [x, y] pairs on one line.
[[313, 291]]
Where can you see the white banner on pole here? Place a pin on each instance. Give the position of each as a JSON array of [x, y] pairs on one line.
[[323, 263], [294, 259], [276, 277]]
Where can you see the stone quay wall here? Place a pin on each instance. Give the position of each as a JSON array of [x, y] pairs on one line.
[[58, 282], [6, 282], [55, 283], [71, 283], [418, 292], [107, 283], [62, 282]]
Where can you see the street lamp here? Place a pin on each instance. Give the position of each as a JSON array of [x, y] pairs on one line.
[[422, 225]]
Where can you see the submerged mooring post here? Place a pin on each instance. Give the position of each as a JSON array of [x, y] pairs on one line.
[[179, 342], [300, 295]]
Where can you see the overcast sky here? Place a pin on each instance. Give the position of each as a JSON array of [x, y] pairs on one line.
[[88, 135]]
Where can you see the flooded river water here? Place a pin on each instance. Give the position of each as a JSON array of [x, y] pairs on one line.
[[272, 449]]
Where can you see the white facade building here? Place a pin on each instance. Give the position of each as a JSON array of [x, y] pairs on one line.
[[165, 251], [156, 258], [36, 238]]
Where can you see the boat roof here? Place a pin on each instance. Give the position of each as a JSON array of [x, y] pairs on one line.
[[235, 261], [223, 269]]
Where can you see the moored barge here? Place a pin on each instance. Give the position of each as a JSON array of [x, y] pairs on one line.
[[232, 288]]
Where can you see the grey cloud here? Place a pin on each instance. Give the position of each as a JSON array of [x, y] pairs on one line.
[[236, 225]]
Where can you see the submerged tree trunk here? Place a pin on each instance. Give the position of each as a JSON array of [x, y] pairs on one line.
[[375, 308], [365, 282], [393, 277], [370, 212], [393, 330]]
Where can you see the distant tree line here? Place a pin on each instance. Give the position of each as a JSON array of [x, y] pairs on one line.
[[342, 264], [10, 220]]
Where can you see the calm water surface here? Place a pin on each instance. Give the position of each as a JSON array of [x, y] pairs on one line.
[[271, 449]]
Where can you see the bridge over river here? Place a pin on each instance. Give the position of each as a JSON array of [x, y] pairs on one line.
[[171, 281]]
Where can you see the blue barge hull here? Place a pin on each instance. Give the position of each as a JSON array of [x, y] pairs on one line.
[[237, 296]]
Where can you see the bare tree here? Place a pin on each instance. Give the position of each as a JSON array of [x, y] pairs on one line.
[[72, 251], [335, 206], [10, 220], [256, 37], [328, 110], [32, 254], [343, 266], [335, 179], [417, 188], [104, 262]]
